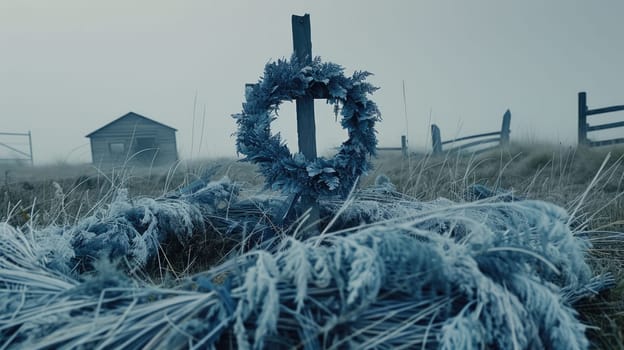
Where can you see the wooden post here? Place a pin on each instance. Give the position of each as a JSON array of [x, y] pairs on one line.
[[582, 119], [436, 139], [306, 128], [404, 145], [32, 161], [248, 89], [504, 141]]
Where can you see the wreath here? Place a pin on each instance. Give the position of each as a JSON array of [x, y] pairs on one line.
[[287, 80]]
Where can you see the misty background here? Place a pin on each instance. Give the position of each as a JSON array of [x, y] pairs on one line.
[[68, 67]]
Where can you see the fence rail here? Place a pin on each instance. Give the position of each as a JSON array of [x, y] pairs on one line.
[[584, 127], [403, 147], [23, 155], [501, 139]]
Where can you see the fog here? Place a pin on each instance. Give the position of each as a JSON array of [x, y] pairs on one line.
[[68, 67]]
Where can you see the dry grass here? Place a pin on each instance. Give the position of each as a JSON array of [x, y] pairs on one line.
[[565, 176], [556, 174], [62, 194]]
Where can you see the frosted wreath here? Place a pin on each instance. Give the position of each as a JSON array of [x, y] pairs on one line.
[[286, 80]]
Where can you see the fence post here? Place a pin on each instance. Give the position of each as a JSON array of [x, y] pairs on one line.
[[404, 145], [436, 139], [582, 119], [32, 161], [505, 129]]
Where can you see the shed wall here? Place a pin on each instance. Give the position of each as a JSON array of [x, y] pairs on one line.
[[131, 132]]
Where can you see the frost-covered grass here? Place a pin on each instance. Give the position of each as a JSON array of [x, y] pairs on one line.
[[559, 175], [437, 274], [64, 193]]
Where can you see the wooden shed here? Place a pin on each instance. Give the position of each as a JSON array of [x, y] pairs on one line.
[[133, 139]]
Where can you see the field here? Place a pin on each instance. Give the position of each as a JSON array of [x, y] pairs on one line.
[[588, 183]]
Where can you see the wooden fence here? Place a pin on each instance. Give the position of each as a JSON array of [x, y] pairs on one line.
[[403, 147], [20, 155], [584, 127], [501, 138]]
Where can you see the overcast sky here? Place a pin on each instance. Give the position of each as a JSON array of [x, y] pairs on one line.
[[68, 67]]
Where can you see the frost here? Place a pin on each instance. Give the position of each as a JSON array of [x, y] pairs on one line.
[[285, 80], [392, 272]]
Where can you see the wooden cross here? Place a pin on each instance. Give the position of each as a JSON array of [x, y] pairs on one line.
[[306, 127], [302, 47]]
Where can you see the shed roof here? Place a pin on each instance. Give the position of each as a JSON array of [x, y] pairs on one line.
[[128, 115]]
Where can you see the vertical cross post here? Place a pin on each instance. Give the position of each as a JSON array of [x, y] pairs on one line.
[[582, 119], [306, 128]]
